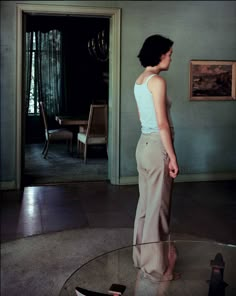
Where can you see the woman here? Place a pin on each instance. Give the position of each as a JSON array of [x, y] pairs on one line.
[[156, 161]]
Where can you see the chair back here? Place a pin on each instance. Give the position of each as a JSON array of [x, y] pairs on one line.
[[97, 122], [43, 114]]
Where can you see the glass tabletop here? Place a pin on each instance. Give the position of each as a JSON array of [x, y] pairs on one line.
[[205, 268]]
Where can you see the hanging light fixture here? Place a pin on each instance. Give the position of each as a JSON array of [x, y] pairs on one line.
[[98, 47]]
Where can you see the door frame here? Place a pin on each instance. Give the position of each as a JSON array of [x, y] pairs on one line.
[[114, 79]]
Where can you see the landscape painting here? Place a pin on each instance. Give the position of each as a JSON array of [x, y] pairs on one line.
[[212, 80]]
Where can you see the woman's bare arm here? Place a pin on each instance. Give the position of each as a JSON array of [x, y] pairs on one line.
[[157, 86]]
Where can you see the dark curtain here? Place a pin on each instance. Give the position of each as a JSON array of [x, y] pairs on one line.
[[64, 102], [28, 67], [63, 64], [44, 71], [48, 62]]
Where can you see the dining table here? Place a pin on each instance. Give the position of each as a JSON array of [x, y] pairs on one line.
[[72, 120], [80, 122]]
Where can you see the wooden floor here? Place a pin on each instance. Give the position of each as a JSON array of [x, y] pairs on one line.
[[205, 209]]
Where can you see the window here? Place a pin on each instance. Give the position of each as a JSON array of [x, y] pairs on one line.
[[33, 108], [45, 73]]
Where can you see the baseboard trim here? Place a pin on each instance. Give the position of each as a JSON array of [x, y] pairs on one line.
[[133, 180], [7, 185], [206, 177]]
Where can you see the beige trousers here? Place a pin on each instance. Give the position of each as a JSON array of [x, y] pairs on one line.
[[153, 209]]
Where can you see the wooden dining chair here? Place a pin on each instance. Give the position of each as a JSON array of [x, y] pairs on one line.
[[54, 134], [96, 131]]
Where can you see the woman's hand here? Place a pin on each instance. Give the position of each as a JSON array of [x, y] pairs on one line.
[[173, 168]]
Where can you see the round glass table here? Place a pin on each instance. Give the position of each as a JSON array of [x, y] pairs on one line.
[[205, 267]]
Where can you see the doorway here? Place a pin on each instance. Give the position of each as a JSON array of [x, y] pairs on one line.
[[82, 52], [114, 78]]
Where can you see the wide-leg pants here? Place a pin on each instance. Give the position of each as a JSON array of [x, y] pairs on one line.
[[153, 209]]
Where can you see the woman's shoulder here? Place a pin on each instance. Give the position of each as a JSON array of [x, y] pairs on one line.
[[158, 78], [144, 77], [157, 81]]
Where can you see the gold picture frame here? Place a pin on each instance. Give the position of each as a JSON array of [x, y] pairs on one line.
[[212, 80]]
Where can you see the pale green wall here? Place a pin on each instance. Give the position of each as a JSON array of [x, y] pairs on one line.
[[205, 131]]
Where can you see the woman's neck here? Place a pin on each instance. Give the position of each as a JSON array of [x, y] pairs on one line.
[[152, 70]]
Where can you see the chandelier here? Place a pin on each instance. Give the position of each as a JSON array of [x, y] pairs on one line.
[[98, 47]]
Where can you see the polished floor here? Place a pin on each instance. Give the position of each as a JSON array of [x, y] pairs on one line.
[[203, 209]]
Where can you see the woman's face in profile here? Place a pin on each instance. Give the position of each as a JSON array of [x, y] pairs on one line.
[[166, 60]]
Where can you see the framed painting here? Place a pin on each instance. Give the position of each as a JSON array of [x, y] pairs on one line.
[[212, 80]]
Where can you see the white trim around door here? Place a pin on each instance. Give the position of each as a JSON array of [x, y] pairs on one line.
[[114, 78]]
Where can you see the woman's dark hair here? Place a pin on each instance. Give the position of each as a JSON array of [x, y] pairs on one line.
[[152, 50]]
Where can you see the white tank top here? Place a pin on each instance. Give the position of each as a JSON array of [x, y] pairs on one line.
[[146, 108]]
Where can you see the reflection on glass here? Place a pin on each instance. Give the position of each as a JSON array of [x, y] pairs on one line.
[[156, 261], [205, 268]]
